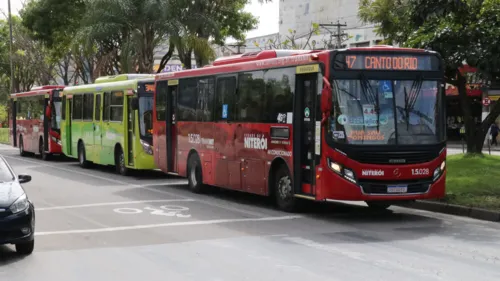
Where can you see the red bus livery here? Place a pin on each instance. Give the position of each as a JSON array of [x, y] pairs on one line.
[[360, 124], [37, 115]]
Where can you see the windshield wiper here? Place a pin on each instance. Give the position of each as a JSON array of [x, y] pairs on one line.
[[410, 101], [373, 98]]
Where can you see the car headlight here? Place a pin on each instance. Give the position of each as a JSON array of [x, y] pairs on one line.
[[20, 205], [147, 147]]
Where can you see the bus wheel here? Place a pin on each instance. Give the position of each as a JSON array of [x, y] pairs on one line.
[[195, 176], [82, 159], [45, 156], [283, 190], [379, 206], [121, 168], [21, 147]]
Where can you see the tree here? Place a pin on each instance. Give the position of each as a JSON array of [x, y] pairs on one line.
[[198, 23], [463, 32]]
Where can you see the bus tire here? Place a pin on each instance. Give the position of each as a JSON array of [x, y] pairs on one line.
[[82, 158], [378, 206], [194, 174], [21, 146], [283, 190], [45, 156], [121, 168]]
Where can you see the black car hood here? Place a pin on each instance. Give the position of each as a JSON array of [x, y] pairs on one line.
[[9, 192]]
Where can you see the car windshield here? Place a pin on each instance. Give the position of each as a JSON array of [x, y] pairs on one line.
[[383, 112], [5, 173], [146, 115]]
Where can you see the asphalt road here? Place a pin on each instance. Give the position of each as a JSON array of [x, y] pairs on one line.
[[96, 225]]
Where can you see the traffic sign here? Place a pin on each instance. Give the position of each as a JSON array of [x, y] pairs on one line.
[[486, 101]]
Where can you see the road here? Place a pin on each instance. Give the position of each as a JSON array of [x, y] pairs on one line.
[[96, 225]]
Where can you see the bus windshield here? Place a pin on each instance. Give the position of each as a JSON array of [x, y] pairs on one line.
[[146, 115], [385, 112]]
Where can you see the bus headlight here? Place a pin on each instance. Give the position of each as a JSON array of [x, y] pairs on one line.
[[439, 170], [147, 147], [344, 172]]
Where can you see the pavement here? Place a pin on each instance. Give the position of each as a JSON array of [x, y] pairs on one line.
[[96, 225]]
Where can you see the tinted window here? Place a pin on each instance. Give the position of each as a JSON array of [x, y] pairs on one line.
[[105, 115], [77, 107], [206, 89], [30, 107], [251, 104], [97, 110], [224, 106], [161, 100], [63, 113], [88, 106], [187, 99], [280, 86], [116, 106]]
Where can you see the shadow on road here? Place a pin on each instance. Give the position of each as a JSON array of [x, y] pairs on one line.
[[9, 256]]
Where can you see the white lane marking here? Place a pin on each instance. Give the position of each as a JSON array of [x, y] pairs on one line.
[[127, 211], [111, 204], [233, 209], [146, 226]]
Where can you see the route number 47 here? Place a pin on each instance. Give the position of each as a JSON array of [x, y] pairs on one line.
[[168, 211]]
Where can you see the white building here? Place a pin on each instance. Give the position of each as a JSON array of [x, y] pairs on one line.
[[299, 15]]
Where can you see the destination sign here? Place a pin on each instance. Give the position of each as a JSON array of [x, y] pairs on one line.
[[387, 62]]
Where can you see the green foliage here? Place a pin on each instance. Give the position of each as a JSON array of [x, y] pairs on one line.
[[461, 31]]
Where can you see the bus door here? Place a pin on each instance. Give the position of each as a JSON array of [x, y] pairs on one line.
[[69, 118], [98, 128], [46, 123], [227, 165], [171, 128], [130, 130], [305, 127]]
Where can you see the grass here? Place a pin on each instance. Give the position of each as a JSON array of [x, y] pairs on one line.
[[4, 135], [473, 181]]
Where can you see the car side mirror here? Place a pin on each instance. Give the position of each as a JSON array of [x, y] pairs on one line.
[[24, 178], [135, 103]]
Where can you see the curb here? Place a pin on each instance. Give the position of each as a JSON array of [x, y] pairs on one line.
[[456, 210]]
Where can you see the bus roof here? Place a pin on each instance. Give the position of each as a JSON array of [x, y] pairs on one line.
[[122, 77], [39, 90], [381, 48], [108, 86], [254, 60]]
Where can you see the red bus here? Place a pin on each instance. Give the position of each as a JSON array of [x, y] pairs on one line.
[[360, 124], [36, 119]]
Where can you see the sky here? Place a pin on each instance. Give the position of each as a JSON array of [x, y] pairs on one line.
[[268, 15]]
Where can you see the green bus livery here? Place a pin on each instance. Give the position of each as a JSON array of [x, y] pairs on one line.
[[110, 122]]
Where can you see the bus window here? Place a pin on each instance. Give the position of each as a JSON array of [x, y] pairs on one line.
[[280, 86], [226, 87], [116, 106], [187, 99], [250, 107]]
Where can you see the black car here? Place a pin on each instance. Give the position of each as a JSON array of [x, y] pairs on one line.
[[17, 213]]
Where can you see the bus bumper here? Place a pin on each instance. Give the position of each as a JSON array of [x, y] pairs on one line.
[[336, 187]]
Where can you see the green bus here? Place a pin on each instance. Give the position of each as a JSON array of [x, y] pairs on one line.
[[110, 122]]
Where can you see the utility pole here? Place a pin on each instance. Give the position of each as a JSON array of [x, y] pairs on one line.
[[238, 45], [11, 54], [338, 34]]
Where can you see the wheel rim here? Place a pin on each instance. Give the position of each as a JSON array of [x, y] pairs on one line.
[[193, 176], [285, 187]]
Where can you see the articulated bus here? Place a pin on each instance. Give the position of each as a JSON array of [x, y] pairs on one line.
[[100, 123], [35, 121], [359, 124]]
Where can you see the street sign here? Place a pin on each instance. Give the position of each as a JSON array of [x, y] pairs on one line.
[[486, 101]]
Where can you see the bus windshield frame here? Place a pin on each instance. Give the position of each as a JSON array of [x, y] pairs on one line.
[[383, 107], [145, 97], [56, 111]]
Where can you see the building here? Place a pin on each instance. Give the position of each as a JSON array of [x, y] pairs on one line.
[[299, 15]]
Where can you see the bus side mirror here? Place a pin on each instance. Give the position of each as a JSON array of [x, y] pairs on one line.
[[135, 103], [326, 96]]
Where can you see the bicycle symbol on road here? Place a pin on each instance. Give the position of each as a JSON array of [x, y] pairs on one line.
[[167, 210]]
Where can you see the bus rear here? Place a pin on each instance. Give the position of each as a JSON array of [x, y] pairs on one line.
[[385, 132]]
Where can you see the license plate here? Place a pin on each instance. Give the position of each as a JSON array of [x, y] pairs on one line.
[[397, 189]]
